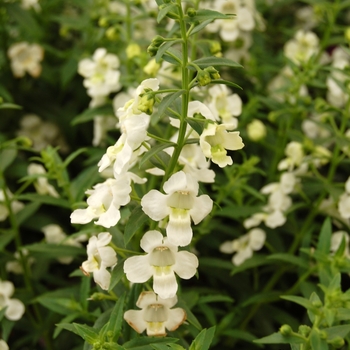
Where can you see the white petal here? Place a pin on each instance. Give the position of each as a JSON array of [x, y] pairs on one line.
[[257, 238], [186, 264], [275, 219], [201, 208], [242, 255], [103, 239], [102, 277], [109, 218], [146, 298], [165, 286], [154, 205], [176, 182], [150, 240], [7, 288], [179, 229], [138, 269], [108, 256], [135, 320], [81, 216], [15, 309], [227, 247], [176, 318]]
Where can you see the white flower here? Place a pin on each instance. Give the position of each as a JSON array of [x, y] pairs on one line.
[[224, 104], [100, 256], [295, 155], [104, 202], [181, 204], [336, 240], [15, 266], [101, 73], [16, 206], [156, 315], [244, 245], [24, 58], [344, 201], [302, 46], [256, 130], [27, 4], [162, 262], [3, 345], [215, 140], [55, 235], [15, 308], [314, 126], [41, 184]]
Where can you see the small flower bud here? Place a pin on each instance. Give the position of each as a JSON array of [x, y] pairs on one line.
[[152, 50], [24, 141], [304, 330], [317, 303], [146, 103], [203, 78], [323, 335], [133, 50], [191, 12], [158, 40], [256, 130], [152, 67], [112, 33], [286, 329], [337, 342], [215, 47], [214, 74], [103, 22]]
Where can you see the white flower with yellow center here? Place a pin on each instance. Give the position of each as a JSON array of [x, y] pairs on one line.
[[41, 184], [215, 140], [104, 202], [162, 261], [244, 245], [180, 204], [101, 73], [24, 58], [344, 201], [100, 256], [155, 315], [14, 307]]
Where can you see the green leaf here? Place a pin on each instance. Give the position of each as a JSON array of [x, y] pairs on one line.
[[66, 320], [68, 327], [6, 236], [285, 257], [7, 156], [164, 104], [217, 263], [91, 113], [215, 299], [72, 156], [26, 212], [7, 105], [255, 261], [191, 318], [155, 150], [138, 343], [278, 338], [44, 199], [165, 10], [54, 250], [88, 333], [167, 347], [62, 306], [204, 15], [200, 26], [173, 56], [164, 47], [117, 274], [316, 342], [342, 314], [116, 319], [324, 241], [136, 220], [313, 299], [197, 125], [225, 82], [307, 304], [216, 61], [263, 297], [203, 339], [337, 331]]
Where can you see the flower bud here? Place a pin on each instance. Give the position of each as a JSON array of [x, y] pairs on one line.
[[133, 50], [152, 50], [203, 78], [215, 48], [103, 22], [304, 330], [214, 74], [286, 329], [146, 103], [112, 33], [256, 130], [337, 342], [317, 303], [191, 12]]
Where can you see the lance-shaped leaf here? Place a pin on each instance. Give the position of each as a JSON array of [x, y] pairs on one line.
[[216, 61], [116, 320], [136, 220], [278, 338], [164, 47], [203, 339], [165, 10], [155, 150], [91, 113], [324, 241], [89, 334]]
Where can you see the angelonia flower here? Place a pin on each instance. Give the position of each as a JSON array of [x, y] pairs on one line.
[[100, 256], [336, 240], [28, 4], [162, 261], [294, 156], [244, 246], [14, 307], [24, 58], [104, 202], [101, 73], [229, 30], [344, 201], [41, 184], [314, 126], [55, 235], [16, 206], [216, 139], [41, 133], [180, 204], [156, 315], [336, 96], [304, 45]]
